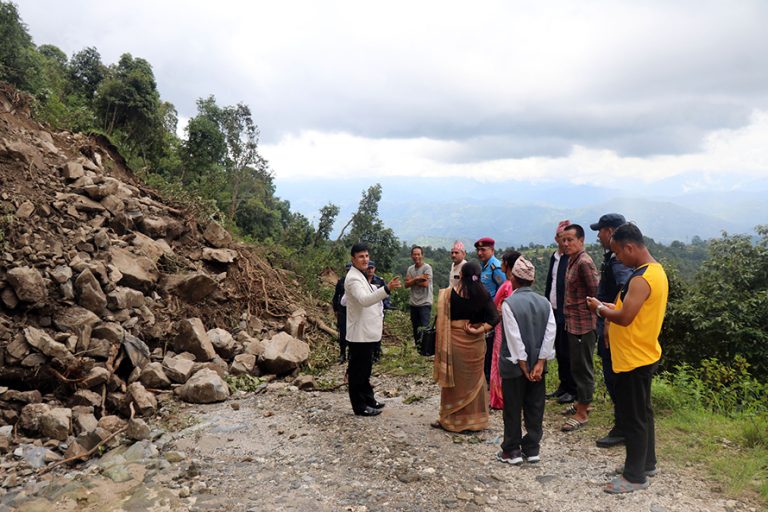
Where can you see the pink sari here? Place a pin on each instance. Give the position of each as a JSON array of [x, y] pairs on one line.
[[497, 400]]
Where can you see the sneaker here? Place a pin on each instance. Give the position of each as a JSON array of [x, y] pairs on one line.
[[515, 457], [533, 459], [648, 472]]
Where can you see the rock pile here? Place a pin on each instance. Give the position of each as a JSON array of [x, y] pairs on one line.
[[112, 300]]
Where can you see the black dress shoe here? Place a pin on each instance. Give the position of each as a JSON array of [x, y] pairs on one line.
[[610, 441], [377, 405], [555, 394], [369, 411], [566, 398]]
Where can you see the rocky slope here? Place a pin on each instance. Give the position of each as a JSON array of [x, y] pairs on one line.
[[112, 297]]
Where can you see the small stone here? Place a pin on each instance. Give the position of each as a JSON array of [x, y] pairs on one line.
[[138, 429], [408, 477]]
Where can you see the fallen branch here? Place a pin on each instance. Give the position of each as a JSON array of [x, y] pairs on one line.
[[85, 455], [323, 326]]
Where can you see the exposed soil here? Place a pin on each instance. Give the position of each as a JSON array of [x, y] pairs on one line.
[[285, 449]]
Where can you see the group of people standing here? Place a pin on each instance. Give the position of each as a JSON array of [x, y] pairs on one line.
[[494, 336]]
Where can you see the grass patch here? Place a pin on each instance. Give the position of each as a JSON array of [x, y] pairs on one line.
[[728, 450], [243, 382], [399, 354]]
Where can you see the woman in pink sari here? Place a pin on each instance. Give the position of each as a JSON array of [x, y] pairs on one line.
[[504, 291]]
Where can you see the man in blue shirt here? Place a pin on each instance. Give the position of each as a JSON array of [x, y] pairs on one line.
[[492, 277], [613, 275]]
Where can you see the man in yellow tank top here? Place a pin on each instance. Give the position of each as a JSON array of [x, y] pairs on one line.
[[633, 324]]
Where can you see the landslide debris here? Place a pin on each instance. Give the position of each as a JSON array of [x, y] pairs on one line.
[[114, 300]]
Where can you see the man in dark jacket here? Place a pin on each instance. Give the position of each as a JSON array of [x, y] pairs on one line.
[[613, 275], [341, 315], [554, 290], [527, 342]]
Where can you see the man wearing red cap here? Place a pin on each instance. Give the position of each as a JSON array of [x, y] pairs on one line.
[[492, 277]]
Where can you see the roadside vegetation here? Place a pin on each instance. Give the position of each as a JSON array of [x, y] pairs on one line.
[[711, 398]]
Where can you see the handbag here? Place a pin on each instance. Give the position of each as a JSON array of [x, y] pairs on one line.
[[426, 341]]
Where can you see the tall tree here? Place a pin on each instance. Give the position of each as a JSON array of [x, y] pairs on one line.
[[86, 72], [328, 214], [18, 65], [366, 226]]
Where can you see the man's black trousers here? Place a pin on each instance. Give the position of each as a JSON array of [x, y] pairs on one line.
[[563, 355], [635, 417], [360, 363], [526, 397], [419, 318]]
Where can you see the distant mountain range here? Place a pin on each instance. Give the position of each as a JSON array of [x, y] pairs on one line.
[[437, 211]]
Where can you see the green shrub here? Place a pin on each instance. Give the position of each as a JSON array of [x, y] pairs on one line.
[[728, 389]]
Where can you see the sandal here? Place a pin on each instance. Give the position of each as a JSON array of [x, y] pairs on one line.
[[621, 485], [572, 425], [571, 410]]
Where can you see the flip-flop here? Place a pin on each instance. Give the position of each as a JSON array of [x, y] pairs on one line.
[[572, 425], [621, 485]]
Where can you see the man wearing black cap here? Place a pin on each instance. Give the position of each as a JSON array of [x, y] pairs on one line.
[[492, 278], [613, 275]]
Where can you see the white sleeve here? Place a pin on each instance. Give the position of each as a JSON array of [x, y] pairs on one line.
[[548, 345], [512, 332], [361, 292], [343, 300]]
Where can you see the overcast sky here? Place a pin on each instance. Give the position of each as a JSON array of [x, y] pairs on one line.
[[582, 91]]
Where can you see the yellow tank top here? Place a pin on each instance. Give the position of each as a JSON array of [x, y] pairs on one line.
[[637, 344]]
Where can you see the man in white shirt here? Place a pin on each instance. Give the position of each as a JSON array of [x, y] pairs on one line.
[[528, 339], [365, 324], [458, 259]]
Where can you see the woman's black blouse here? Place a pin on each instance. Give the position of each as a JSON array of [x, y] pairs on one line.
[[476, 312]]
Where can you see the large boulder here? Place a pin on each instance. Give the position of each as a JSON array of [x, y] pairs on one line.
[[31, 417], [219, 255], [72, 171], [191, 288], [204, 387], [153, 376], [223, 342], [45, 344], [89, 292], [216, 235], [178, 369], [144, 402], [283, 353], [75, 319], [28, 284], [123, 297], [243, 364], [138, 272], [56, 423], [296, 324], [193, 338]]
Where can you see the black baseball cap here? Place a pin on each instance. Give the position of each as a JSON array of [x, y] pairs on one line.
[[609, 220]]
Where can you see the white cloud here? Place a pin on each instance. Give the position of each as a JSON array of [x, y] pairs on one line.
[[736, 153], [501, 89]]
